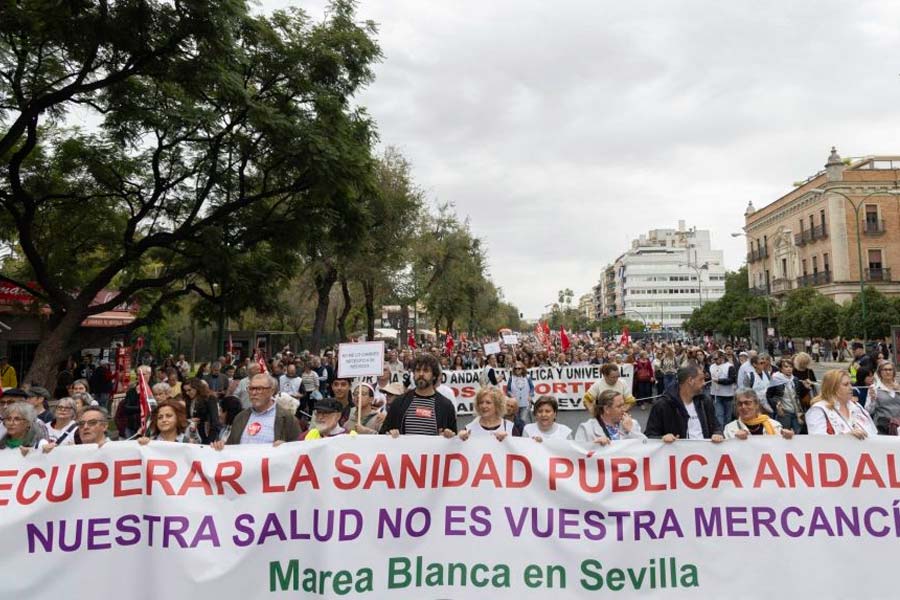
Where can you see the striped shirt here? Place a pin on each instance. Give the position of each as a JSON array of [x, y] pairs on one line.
[[420, 418]]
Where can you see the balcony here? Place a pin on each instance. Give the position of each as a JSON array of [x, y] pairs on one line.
[[756, 255], [808, 236], [820, 278], [759, 290], [781, 285], [880, 274], [873, 226]]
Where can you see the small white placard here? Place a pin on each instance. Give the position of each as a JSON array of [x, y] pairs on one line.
[[492, 348], [510, 339], [360, 359]]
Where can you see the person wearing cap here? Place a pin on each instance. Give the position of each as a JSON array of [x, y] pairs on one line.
[[364, 417], [265, 422], [391, 391], [8, 377], [39, 398], [521, 388], [326, 421]]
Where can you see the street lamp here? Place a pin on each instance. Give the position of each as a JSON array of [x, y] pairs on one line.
[[856, 206], [699, 279]]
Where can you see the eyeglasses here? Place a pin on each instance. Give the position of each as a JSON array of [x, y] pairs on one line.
[[7, 402], [91, 423], [14, 420], [259, 388], [58, 408], [746, 402]]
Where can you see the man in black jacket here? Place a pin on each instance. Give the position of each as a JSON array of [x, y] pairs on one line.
[[422, 411], [684, 412]]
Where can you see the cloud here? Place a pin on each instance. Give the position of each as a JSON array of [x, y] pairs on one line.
[[564, 130]]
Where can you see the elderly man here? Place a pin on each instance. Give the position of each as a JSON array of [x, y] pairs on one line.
[[217, 380], [242, 391], [265, 422], [326, 420], [39, 398], [289, 383], [684, 412], [92, 424]]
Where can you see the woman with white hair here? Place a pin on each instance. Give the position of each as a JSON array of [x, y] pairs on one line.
[[21, 430], [751, 419], [63, 430]]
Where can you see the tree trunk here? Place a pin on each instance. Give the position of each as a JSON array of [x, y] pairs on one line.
[[51, 351], [323, 282], [404, 324], [342, 317], [449, 325], [369, 294]]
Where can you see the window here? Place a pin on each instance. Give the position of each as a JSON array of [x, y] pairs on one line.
[[825, 264], [872, 215], [812, 224], [803, 264], [801, 226], [784, 268], [822, 217], [767, 279], [875, 259], [815, 260], [765, 242]]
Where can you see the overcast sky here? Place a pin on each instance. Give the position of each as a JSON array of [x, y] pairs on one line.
[[565, 129]]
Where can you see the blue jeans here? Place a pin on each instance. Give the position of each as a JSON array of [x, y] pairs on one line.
[[790, 421], [724, 409]]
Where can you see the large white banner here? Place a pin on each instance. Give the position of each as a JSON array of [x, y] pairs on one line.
[[375, 517], [567, 384]]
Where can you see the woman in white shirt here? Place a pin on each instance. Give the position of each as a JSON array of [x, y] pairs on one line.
[[490, 406], [883, 400], [611, 421], [545, 426], [835, 412], [63, 428]]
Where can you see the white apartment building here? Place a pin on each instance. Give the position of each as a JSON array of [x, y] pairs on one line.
[[665, 275]]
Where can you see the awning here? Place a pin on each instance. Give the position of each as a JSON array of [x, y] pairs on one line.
[[109, 318]]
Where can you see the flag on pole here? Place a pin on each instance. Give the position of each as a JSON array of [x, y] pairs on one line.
[[564, 339], [230, 345], [411, 340], [261, 362], [146, 400], [625, 338]]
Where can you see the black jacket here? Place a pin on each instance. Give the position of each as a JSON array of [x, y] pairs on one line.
[[669, 415], [444, 413]]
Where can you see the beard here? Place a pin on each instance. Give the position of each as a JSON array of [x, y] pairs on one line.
[[422, 383]]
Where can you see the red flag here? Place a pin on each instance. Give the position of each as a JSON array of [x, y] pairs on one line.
[[230, 345], [625, 338], [261, 362], [449, 343], [411, 340], [563, 339], [145, 397]]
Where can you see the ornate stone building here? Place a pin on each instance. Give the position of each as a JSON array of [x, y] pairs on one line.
[[833, 230]]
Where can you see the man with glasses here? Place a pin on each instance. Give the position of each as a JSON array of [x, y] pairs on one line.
[[92, 424], [265, 422]]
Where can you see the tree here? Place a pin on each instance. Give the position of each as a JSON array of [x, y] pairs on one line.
[[729, 314], [881, 313], [210, 115], [807, 313]]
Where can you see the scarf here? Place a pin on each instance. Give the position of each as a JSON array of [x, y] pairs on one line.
[[760, 420]]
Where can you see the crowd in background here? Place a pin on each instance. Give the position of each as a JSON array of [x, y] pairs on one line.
[[693, 389]]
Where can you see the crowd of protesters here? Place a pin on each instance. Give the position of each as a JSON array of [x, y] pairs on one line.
[[692, 390]]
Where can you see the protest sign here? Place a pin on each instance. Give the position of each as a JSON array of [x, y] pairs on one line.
[[510, 339], [567, 384], [492, 348], [359, 359], [418, 517]]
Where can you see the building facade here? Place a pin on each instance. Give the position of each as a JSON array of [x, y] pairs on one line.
[[665, 275], [834, 230]]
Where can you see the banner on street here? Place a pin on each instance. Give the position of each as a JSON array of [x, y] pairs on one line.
[[417, 517]]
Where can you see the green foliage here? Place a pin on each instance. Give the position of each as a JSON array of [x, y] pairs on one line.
[[728, 315], [881, 313], [807, 313]]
